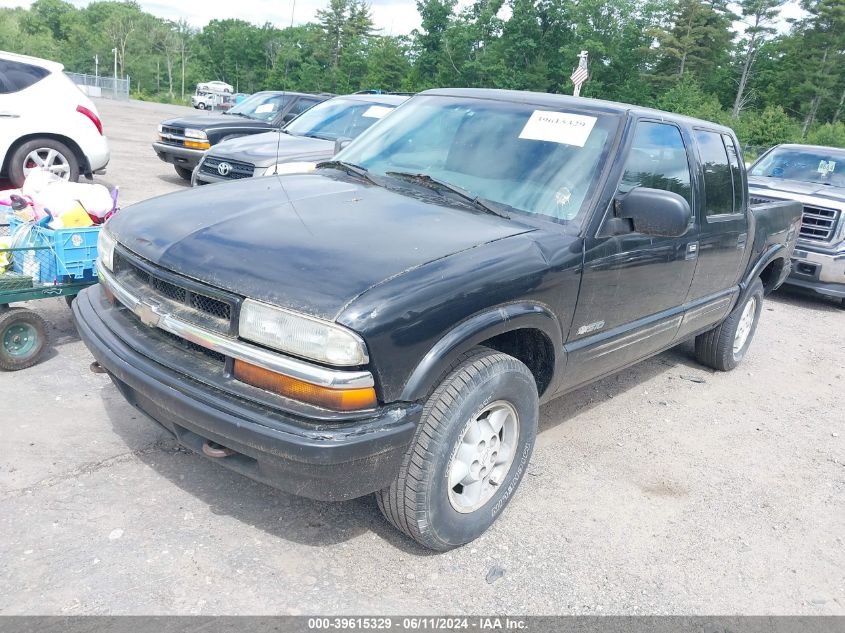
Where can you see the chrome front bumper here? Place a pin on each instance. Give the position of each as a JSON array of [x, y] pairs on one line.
[[153, 316]]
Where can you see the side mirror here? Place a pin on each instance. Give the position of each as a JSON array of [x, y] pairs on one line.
[[655, 211], [341, 142], [288, 117]]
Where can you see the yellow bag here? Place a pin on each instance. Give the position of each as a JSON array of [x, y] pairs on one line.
[[5, 256], [76, 218]]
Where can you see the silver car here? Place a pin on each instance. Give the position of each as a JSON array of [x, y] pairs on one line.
[[300, 145]]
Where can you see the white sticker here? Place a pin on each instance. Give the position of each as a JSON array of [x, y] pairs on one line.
[[826, 167], [264, 107], [376, 112], [558, 127]]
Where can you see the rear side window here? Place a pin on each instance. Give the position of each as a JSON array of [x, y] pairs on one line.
[[718, 182], [16, 76], [657, 160]]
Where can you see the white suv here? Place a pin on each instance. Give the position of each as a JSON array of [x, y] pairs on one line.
[[46, 122]]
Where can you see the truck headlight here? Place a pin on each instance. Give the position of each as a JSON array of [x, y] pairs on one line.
[[105, 248], [301, 335], [302, 167], [197, 134]]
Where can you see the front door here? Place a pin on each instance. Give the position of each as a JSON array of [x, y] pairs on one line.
[[633, 285]]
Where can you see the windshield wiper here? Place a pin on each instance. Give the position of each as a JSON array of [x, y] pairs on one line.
[[434, 183], [349, 168]]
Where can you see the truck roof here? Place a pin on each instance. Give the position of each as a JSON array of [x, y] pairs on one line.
[[557, 101]]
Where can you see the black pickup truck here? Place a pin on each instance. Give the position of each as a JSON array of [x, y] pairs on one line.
[[391, 322]]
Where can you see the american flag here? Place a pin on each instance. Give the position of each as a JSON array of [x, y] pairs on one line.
[[579, 75]]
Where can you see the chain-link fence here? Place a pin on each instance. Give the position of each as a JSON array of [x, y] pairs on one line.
[[96, 86]]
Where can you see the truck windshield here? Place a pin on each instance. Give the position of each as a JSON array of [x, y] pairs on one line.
[[263, 106], [817, 165], [337, 118], [534, 159]]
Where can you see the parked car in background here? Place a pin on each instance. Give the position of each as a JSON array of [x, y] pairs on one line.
[[215, 86], [815, 177], [300, 145], [391, 321], [182, 141], [46, 122]]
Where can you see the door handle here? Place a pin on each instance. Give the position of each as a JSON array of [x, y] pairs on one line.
[[9, 115], [741, 241], [692, 250]]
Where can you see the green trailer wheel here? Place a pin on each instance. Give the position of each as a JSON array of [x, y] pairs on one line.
[[23, 337]]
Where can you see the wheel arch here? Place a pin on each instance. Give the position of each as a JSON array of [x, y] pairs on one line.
[[528, 331], [770, 268], [84, 167]]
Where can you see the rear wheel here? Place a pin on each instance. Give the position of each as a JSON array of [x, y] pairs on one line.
[[184, 174], [724, 346], [469, 453], [23, 337], [201, 105], [43, 153]]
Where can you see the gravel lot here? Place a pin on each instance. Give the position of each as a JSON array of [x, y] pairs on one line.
[[664, 489]]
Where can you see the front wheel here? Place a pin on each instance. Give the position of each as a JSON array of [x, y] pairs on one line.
[[184, 174], [469, 453], [23, 337], [724, 346]]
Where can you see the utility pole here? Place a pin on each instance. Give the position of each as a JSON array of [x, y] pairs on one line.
[[96, 68], [114, 50]]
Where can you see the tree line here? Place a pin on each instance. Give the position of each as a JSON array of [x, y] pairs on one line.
[[742, 64]]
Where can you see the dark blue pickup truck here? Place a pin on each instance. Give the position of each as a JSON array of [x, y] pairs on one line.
[[392, 321]]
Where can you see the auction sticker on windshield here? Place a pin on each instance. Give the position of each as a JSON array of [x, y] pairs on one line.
[[376, 112], [558, 127]]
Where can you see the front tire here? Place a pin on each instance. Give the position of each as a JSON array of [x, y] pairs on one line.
[[184, 174], [469, 453], [43, 153], [724, 346]]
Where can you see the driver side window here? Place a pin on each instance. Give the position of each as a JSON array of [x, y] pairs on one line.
[[658, 160]]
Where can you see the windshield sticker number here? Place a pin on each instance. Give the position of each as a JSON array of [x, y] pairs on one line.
[[558, 127], [376, 112], [826, 167]]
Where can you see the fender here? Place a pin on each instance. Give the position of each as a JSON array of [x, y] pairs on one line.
[[775, 251], [478, 328]]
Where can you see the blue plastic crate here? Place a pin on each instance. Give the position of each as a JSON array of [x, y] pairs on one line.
[[71, 256]]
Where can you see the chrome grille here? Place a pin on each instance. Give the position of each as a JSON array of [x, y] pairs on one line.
[[168, 130], [188, 300], [237, 169], [818, 224]]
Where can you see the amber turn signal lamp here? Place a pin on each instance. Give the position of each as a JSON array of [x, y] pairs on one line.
[[198, 144], [335, 399]]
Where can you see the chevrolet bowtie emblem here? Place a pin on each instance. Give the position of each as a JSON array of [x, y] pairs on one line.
[[147, 314]]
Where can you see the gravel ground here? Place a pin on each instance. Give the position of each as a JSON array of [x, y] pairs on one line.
[[666, 488]]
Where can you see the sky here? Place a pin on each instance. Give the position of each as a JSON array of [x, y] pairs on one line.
[[393, 17]]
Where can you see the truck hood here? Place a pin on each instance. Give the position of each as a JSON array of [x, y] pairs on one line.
[[211, 121], [261, 149], [311, 242], [799, 187]]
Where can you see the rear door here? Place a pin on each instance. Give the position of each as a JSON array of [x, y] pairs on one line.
[[16, 102], [633, 285], [724, 225]]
